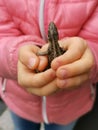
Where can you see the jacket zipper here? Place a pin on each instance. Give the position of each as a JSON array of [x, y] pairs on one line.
[[44, 112], [42, 30], [41, 20]]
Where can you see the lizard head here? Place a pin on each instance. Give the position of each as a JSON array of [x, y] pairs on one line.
[[52, 32]]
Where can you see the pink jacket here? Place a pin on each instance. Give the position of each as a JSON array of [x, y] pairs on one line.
[[22, 21]]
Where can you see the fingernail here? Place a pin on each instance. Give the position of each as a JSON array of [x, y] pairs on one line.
[[63, 73], [58, 64], [31, 63], [61, 83]]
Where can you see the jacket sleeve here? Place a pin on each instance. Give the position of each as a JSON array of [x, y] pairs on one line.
[[11, 38], [90, 33]]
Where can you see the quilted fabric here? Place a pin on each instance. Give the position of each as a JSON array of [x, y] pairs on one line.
[[19, 25]]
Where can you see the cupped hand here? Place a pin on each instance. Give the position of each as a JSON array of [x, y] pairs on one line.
[[74, 66], [40, 84]]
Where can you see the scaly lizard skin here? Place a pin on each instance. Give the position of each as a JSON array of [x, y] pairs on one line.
[[54, 50]]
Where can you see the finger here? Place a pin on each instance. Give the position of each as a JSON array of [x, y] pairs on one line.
[[28, 57], [72, 83], [43, 50], [48, 89], [74, 51], [28, 78], [43, 63], [78, 67], [42, 53]]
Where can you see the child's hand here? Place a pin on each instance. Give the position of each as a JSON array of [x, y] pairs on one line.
[[40, 84], [74, 66]]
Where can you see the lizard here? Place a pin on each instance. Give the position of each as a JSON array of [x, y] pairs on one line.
[[54, 50]]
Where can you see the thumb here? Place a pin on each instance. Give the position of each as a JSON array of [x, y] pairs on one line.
[[27, 56]]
